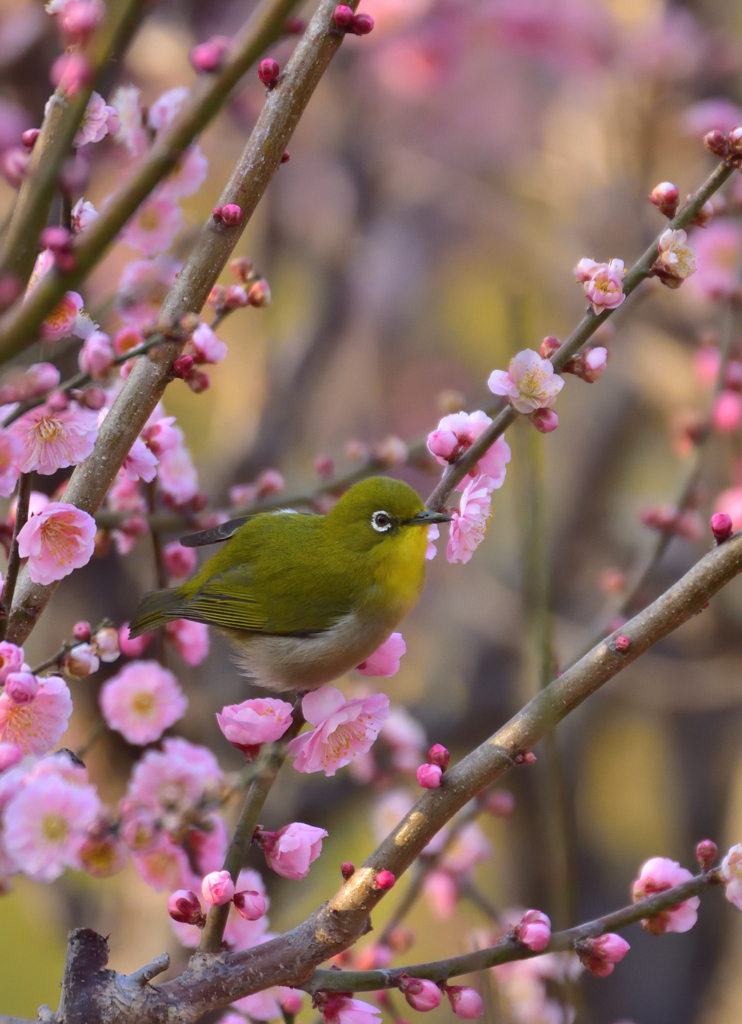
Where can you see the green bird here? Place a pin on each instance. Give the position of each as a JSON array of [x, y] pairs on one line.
[[306, 598]]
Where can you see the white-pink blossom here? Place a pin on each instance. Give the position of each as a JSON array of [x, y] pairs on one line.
[[255, 721], [143, 288], [84, 215], [132, 133], [173, 778], [98, 121], [731, 874], [603, 283], [141, 463], [166, 107], [658, 875], [46, 824], [530, 382], [385, 659], [290, 851], [433, 535], [38, 726], [177, 474], [141, 701], [49, 440], [342, 1009], [188, 176], [154, 226], [456, 433], [469, 523], [342, 729], [676, 258], [96, 357], [57, 541], [205, 346]]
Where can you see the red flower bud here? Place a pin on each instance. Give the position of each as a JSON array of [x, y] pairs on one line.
[[30, 136], [343, 15], [347, 869], [231, 214], [439, 755], [285, 157], [384, 880], [182, 366], [362, 24], [721, 526], [81, 631], [706, 853], [621, 644], [268, 71], [184, 906]]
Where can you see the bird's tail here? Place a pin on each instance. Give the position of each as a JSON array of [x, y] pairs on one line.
[[155, 610]]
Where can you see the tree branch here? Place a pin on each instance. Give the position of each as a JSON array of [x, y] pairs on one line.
[[146, 383]]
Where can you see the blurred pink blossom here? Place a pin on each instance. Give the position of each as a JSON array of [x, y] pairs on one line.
[[731, 873], [658, 875], [178, 560], [132, 133], [46, 824], [177, 473], [718, 250], [470, 847], [166, 108], [726, 414], [49, 440], [141, 701], [161, 435], [98, 121], [343, 729], [84, 215], [96, 355], [173, 778], [442, 893], [63, 319], [456, 433], [57, 541], [730, 502], [11, 659], [165, 866], [469, 523], [140, 463], [188, 176], [190, 639], [385, 659], [530, 382], [155, 225], [143, 288], [205, 346], [717, 112], [9, 453], [405, 737], [342, 1009], [208, 843], [290, 851], [10, 755], [255, 721], [133, 648]]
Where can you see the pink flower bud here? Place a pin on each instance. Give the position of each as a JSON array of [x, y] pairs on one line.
[[259, 294], [30, 136], [294, 26], [599, 955], [56, 238], [21, 687], [58, 401], [347, 869], [384, 880], [184, 906], [735, 139], [70, 72], [285, 156], [270, 481], [13, 165], [182, 366], [38, 378], [342, 15], [716, 142], [81, 662], [721, 526], [133, 648], [726, 415], [217, 888], [249, 904], [10, 755], [80, 17], [107, 644], [268, 71], [621, 644], [81, 631], [374, 957], [533, 930], [93, 398], [209, 55], [439, 755], [97, 355], [429, 776], [291, 1003], [421, 994], [665, 197], [324, 466], [706, 853], [392, 451], [544, 420], [549, 346], [235, 296], [362, 24], [465, 1002], [231, 214], [501, 803]]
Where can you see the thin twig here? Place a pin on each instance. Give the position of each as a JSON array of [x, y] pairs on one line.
[[14, 559]]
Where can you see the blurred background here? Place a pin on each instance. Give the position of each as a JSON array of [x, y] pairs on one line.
[[448, 174]]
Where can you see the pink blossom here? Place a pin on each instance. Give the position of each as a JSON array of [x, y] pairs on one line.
[[84, 215], [718, 112], [470, 847], [166, 108], [21, 687], [165, 865], [173, 778], [143, 287], [456, 433], [530, 382], [718, 250], [177, 474], [422, 995], [658, 875], [676, 258], [11, 659], [10, 755], [49, 440], [70, 72], [9, 452], [249, 904], [98, 121], [429, 776], [469, 524], [726, 415], [442, 892], [96, 356], [140, 463], [46, 825], [184, 906], [62, 321], [133, 648], [291, 850], [141, 701], [218, 888], [533, 930], [38, 726], [604, 287], [601, 954], [162, 435], [208, 843], [207, 348], [188, 176], [730, 502], [126, 495], [465, 1002], [385, 659], [132, 133], [178, 561], [433, 535], [343, 729], [57, 541], [341, 1009], [190, 639], [256, 721], [731, 874], [154, 226], [405, 736]]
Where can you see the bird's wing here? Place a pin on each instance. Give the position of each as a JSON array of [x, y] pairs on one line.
[[215, 534], [229, 599]]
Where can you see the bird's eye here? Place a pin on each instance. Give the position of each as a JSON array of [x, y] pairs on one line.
[[381, 521]]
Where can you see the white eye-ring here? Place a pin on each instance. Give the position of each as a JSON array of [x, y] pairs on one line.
[[381, 521]]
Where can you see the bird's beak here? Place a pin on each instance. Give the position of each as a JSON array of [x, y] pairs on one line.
[[427, 518]]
